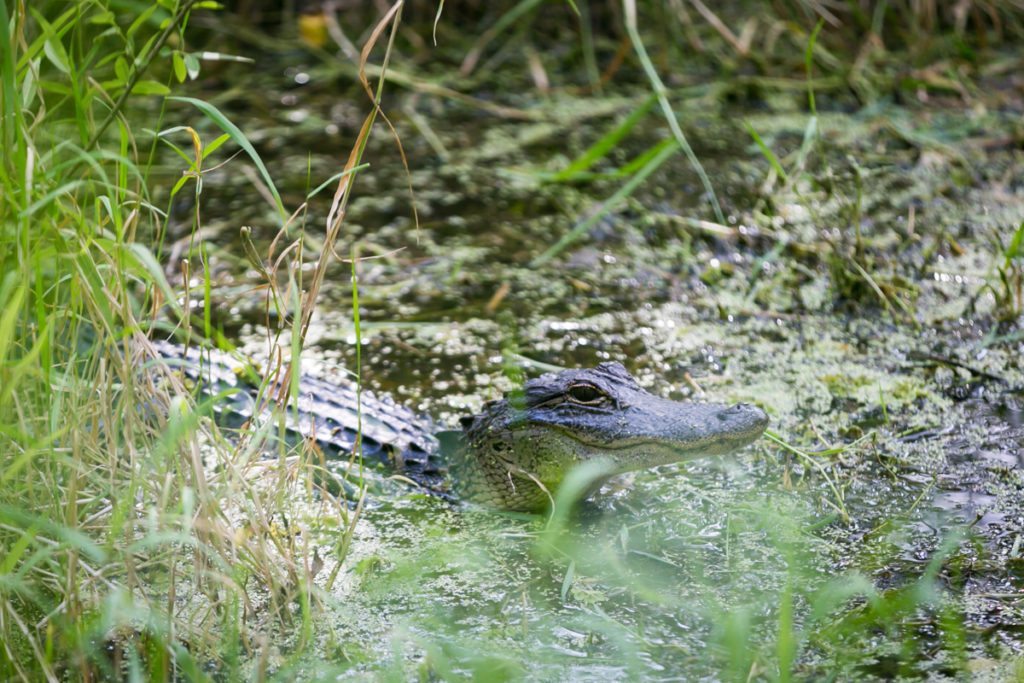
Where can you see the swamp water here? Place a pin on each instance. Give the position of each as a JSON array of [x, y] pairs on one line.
[[878, 535]]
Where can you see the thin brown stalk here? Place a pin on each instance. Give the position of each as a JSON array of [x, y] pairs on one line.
[[336, 215]]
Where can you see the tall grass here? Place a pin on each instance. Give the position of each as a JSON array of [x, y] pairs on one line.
[[133, 537], [84, 511], [128, 537]]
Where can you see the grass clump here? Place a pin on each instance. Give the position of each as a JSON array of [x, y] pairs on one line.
[[1006, 282], [127, 546], [85, 511]]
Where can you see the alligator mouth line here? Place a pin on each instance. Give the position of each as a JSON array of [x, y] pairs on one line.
[[728, 440]]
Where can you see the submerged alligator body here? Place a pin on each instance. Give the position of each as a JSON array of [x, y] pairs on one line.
[[517, 451]]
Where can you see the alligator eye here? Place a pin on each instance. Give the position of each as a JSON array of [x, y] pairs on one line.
[[586, 394]]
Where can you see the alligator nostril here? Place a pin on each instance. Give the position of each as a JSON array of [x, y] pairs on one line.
[[741, 410]]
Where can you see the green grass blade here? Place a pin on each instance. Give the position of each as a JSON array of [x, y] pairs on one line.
[[767, 153], [239, 137], [149, 270], [644, 158], [661, 92], [500, 26], [68, 536], [610, 203], [1016, 246], [606, 144], [809, 65], [65, 189], [11, 119], [9, 322]]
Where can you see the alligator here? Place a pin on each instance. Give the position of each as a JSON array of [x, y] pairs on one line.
[[516, 452]]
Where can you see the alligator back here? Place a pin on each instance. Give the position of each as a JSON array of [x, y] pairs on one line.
[[332, 413]]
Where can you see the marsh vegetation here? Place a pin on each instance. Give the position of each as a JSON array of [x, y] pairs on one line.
[[812, 206]]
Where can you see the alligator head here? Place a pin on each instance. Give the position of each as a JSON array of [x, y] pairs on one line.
[[516, 453]]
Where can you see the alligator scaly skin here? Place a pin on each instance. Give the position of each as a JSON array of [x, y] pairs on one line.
[[332, 413]]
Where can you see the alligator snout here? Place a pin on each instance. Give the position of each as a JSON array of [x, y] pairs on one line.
[[744, 410]]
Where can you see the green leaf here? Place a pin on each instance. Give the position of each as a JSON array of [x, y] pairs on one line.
[[150, 88], [192, 65], [17, 550], [68, 537], [12, 108], [238, 136], [208, 4], [29, 86], [144, 50], [27, 364], [180, 184], [180, 71], [567, 580], [809, 65], [55, 88], [104, 17], [55, 52], [141, 20], [66, 188], [95, 286], [112, 86], [215, 145], [9, 322], [150, 270], [644, 157], [56, 29], [121, 69], [1016, 245]]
